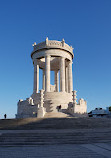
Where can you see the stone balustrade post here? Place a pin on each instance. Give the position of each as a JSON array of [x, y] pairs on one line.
[[41, 97], [74, 97]]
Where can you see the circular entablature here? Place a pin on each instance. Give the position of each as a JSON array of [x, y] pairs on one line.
[[52, 45]]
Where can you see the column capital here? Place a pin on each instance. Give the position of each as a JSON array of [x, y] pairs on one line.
[[47, 55], [35, 61], [56, 70], [62, 57], [70, 61]]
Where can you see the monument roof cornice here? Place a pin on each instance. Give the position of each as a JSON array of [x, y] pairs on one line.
[[52, 44]]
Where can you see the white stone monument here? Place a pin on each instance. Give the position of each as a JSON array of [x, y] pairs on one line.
[[48, 56]]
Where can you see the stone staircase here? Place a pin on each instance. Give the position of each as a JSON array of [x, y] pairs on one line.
[[18, 138], [54, 99], [56, 115], [18, 132]]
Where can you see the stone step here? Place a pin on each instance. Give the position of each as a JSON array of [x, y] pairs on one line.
[[54, 131], [43, 138], [57, 95], [56, 115], [56, 123], [53, 106], [57, 101], [52, 138]]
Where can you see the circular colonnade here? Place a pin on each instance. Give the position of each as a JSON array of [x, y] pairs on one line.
[[56, 56]]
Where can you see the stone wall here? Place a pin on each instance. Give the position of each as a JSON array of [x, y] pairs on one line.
[[78, 109], [81, 107], [26, 108]]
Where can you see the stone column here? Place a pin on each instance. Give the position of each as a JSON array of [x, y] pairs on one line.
[[62, 74], [36, 77], [66, 79], [43, 80], [57, 81], [47, 73], [70, 77]]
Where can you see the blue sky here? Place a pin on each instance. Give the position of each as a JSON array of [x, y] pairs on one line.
[[84, 24]]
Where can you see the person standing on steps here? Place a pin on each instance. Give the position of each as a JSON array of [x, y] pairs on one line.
[[59, 108], [5, 116]]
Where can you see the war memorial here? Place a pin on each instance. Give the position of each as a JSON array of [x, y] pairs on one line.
[[47, 123], [57, 56]]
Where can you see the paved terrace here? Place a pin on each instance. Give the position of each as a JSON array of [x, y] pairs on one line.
[[56, 137]]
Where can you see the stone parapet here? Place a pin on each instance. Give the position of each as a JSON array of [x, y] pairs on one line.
[[50, 44]]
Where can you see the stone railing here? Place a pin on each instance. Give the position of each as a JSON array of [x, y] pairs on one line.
[[53, 44]]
